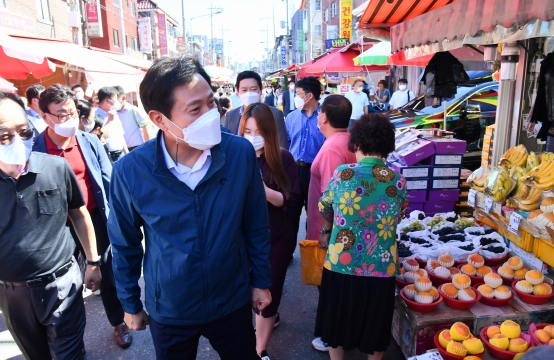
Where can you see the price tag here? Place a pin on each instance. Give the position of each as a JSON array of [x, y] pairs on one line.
[[471, 197], [515, 219], [488, 204]]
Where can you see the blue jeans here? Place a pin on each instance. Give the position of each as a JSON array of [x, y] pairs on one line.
[[351, 123]]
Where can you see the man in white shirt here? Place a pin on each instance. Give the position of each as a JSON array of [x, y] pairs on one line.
[[134, 121], [112, 131], [402, 96], [34, 114], [359, 101]]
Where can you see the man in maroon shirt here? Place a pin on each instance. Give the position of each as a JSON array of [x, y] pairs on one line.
[[89, 161]]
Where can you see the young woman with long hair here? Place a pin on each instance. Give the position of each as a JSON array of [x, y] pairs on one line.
[[282, 191]]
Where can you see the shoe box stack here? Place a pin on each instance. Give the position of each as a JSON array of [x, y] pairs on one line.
[[432, 169], [488, 140]]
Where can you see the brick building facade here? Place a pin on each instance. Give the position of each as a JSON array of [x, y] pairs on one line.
[[113, 39]]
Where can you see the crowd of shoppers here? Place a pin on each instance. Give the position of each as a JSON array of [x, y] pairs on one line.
[[209, 214]]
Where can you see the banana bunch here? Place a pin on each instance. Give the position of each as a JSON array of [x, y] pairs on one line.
[[499, 184], [547, 156], [478, 178], [516, 155], [532, 161], [517, 173], [528, 198], [542, 176], [511, 203]]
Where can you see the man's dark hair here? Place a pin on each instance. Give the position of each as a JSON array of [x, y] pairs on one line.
[[56, 94], [225, 103], [75, 86], [357, 81], [11, 96], [84, 108], [384, 83], [310, 85], [403, 81], [107, 92], [33, 92], [372, 134], [120, 90], [98, 122], [166, 74], [248, 75], [338, 110]]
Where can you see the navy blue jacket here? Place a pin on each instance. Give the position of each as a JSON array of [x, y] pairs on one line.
[[97, 163], [199, 243]]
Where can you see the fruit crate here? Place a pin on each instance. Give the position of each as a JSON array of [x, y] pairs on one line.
[[544, 250], [523, 239]]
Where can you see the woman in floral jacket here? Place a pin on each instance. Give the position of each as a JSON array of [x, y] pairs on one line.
[[362, 205]]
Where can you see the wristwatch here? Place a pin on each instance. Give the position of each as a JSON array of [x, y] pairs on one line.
[[94, 263], [324, 231]]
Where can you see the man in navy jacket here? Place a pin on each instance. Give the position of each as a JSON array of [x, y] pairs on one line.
[[198, 195]]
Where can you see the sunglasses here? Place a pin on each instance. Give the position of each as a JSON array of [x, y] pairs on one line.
[[26, 134]]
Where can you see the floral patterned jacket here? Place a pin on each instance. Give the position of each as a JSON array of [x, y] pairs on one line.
[[364, 201]]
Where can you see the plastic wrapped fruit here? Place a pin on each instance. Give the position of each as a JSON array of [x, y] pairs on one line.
[[461, 281], [500, 341], [459, 331], [510, 329]]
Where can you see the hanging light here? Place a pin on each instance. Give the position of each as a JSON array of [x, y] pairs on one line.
[[508, 62]]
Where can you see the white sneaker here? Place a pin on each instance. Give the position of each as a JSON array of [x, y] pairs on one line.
[[319, 345]]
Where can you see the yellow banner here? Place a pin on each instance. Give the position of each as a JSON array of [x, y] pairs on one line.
[[346, 19]]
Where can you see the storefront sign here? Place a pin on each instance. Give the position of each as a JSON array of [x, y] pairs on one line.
[[162, 34], [346, 19], [180, 44], [94, 19], [343, 88], [283, 55], [145, 34], [300, 40], [17, 22], [337, 43]]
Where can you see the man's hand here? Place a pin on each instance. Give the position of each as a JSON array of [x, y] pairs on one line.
[[323, 241], [93, 277], [261, 298], [136, 321]]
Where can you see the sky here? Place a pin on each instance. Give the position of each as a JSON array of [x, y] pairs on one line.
[[243, 23]]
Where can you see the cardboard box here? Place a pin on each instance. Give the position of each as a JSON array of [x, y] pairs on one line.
[[417, 184], [413, 206], [444, 195], [433, 207], [414, 331], [413, 155], [444, 183], [417, 196], [414, 171], [445, 159], [448, 145], [446, 171]]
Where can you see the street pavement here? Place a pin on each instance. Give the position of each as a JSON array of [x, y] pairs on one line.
[[290, 341]]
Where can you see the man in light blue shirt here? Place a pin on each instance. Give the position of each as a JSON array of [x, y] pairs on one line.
[[34, 115]]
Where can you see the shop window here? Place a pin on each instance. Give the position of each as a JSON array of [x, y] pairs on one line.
[[334, 9], [117, 3], [317, 30], [326, 15], [318, 4], [115, 38], [134, 44], [43, 10], [133, 9], [126, 42]]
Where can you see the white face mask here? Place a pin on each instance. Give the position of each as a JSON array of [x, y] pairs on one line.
[[402, 87], [204, 133], [80, 95], [89, 126], [299, 102], [249, 98], [117, 105], [16, 153], [67, 129], [257, 141]]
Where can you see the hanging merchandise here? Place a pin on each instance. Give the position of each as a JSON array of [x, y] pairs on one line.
[[442, 75]]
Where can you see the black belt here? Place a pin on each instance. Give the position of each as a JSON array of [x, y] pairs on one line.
[[303, 164], [43, 280], [116, 152]]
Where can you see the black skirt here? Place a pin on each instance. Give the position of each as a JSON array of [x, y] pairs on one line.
[[355, 311]]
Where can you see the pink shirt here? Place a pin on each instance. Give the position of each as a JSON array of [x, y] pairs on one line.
[[332, 154]]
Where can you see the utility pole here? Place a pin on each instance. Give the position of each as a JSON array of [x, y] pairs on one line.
[[185, 42], [122, 27]]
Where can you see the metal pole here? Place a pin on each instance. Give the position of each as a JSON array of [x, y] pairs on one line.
[[445, 115], [185, 42], [122, 27], [288, 32]]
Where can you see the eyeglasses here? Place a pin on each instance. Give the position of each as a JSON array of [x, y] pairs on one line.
[[64, 117], [26, 134]]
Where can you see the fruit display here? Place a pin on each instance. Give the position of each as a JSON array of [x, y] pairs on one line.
[[505, 341], [547, 156], [532, 161], [463, 223], [528, 198], [542, 334], [542, 177], [458, 341], [498, 184], [478, 178], [414, 226], [514, 156], [517, 173], [533, 289]]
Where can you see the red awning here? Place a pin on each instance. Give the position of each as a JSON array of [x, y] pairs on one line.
[[474, 22], [17, 60], [339, 61], [381, 13], [302, 71], [463, 54]]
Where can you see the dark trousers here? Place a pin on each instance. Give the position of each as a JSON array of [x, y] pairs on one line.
[[115, 155], [232, 336], [108, 292], [350, 123], [304, 179], [48, 321]]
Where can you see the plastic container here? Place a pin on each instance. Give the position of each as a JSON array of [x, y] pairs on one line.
[[400, 284], [459, 304], [505, 281], [422, 308], [475, 280], [544, 250], [524, 239], [534, 327], [496, 262], [422, 264], [499, 353], [532, 298], [494, 302], [437, 280], [445, 354]]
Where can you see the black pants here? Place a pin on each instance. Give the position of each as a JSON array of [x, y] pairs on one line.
[[48, 321], [115, 155], [108, 292], [304, 179], [232, 336]]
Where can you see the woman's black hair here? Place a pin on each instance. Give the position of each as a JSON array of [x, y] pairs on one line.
[[84, 108], [372, 134], [383, 82]]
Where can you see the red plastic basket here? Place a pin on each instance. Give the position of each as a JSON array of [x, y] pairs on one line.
[[494, 302], [495, 262], [499, 353], [437, 280], [532, 298], [534, 327], [475, 280], [400, 284], [422, 308], [445, 354], [459, 304]]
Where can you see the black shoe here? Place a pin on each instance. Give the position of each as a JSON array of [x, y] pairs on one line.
[[277, 321], [264, 356]]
